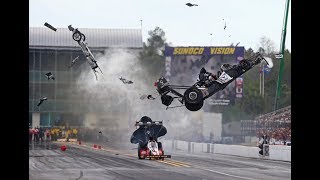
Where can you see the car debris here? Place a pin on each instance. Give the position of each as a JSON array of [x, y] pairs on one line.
[[73, 61], [41, 100], [151, 97], [143, 96], [190, 5], [148, 96], [125, 81], [50, 76], [50, 27], [80, 39]]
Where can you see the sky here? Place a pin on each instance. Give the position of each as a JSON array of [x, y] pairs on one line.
[[247, 21]]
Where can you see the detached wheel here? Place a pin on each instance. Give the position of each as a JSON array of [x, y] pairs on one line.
[[193, 99], [139, 155]]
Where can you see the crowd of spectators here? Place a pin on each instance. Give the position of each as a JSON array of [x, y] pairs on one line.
[[276, 125], [54, 133]]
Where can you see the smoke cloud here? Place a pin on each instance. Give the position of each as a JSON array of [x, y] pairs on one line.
[[114, 106]]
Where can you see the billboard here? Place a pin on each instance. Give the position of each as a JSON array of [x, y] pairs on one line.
[[183, 65]]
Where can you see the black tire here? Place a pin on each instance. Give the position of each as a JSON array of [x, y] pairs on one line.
[[162, 154], [139, 155], [193, 95], [159, 145], [194, 107], [77, 36]]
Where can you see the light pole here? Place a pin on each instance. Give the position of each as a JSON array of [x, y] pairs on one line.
[[282, 47]]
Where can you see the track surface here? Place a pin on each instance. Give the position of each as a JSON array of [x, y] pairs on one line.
[[47, 161]]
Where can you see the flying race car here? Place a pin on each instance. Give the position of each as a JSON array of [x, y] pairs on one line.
[[146, 136], [194, 96], [80, 38]]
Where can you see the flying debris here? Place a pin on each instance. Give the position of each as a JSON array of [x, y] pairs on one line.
[[100, 132], [148, 96], [237, 44], [80, 39], [143, 96], [190, 5], [41, 100], [125, 81], [229, 35], [225, 26], [50, 76], [73, 61], [50, 27], [151, 97]]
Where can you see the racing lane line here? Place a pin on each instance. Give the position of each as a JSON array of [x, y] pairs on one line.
[[177, 162], [170, 164], [174, 163], [222, 173]]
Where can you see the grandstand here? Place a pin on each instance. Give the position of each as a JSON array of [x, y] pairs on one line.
[[276, 125]]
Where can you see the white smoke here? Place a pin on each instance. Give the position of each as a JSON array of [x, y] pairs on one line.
[[117, 103]]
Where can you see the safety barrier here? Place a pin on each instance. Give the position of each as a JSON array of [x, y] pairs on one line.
[[276, 152], [280, 152], [236, 150]]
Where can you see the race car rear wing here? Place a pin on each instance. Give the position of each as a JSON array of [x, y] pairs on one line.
[[158, 156], [139, 123]]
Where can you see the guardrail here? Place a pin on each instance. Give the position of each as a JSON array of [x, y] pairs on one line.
[[275, 152]]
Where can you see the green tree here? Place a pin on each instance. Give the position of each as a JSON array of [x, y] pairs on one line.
[[152, 55], [248, 53]]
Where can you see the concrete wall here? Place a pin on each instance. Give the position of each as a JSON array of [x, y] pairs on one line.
[[280, 152], [237, 150], [276, 152]]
